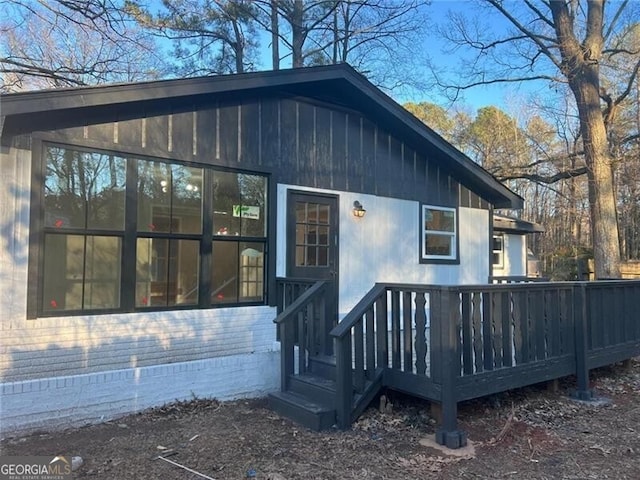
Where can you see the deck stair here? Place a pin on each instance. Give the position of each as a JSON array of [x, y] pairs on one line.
[[310, 398], [313, 391]]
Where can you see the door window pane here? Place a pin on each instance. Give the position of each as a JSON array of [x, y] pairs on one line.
[[312, 234], [84, 190]]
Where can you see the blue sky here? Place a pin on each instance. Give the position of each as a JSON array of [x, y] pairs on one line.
[[502, 95]]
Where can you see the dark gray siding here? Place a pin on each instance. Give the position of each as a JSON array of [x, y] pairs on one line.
[[300, 142]]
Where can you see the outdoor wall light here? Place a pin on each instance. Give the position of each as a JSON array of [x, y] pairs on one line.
[[358, 209]]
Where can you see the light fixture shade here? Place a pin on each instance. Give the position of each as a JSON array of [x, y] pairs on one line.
[[358, 209]]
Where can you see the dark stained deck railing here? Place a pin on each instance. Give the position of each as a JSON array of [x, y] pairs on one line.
[[300, 329], [453, 343]]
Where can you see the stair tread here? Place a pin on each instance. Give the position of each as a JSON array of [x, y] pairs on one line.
[[327, 359], [317, 380], [302, 401]]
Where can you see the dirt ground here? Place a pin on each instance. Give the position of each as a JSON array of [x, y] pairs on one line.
[[532, 433]]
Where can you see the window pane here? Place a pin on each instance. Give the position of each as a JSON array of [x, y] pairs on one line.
[[323, 215], [146, 272], [186, 275], [62, 277], [102, 272], [154, 196], [442, 220], [301, 212], [312, 213], [254, 200], [167, 272], [251, 272], [323, 256], [436, 244], [323, 235], [497, 243], [84, 190], [81, 272], [239, 203], [187, 199], [224, 273], [226, 194]]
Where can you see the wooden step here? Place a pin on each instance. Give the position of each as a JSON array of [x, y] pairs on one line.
[[299, 408], [323, 366], [314, 387]]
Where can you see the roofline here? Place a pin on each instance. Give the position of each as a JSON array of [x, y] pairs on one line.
[[502, 223], [101, 95], [74, 98]]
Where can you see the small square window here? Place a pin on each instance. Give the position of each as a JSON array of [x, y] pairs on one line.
[[438, 233]]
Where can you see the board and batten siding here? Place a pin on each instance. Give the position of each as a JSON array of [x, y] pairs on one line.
[[300, 142], [383, 246]]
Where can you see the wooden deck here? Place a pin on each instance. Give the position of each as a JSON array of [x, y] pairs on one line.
[[448, 344]]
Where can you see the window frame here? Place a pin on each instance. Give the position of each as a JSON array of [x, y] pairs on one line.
[[499, 252], [454, 242], [130, 235]]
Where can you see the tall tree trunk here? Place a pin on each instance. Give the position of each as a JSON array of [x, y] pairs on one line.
[[297, 33], [602, 198], [275, 36], [580, 66], [238, 46]]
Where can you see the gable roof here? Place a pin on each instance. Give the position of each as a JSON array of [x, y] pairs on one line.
[[338, 85]]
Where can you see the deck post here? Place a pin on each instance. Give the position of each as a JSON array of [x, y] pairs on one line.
[[446, 312], [286, 355], [583, 392], [344, 381]]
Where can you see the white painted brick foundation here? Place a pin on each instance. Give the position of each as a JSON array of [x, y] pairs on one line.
[[61, 402]]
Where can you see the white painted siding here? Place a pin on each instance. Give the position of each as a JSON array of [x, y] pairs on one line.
[[75, 400], [515, 256], [384, 245]]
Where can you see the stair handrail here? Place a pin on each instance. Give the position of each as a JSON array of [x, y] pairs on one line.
[[289, 329], [351, 318], [341, 335], [300, 302]]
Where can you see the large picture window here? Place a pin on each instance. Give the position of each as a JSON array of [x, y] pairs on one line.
[[122, 234], [438, 233]]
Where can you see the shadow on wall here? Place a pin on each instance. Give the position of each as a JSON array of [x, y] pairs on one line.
[[49, 347], [15, 216]]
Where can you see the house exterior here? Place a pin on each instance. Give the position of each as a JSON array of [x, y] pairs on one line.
[[510, 255], [145, 226]]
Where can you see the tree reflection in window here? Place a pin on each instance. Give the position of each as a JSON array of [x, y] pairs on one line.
[[84, 204], [90, 260]]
